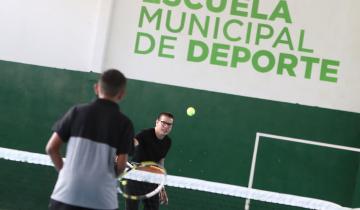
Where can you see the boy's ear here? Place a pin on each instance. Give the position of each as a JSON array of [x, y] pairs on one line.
[[120, 95], [96, 89]]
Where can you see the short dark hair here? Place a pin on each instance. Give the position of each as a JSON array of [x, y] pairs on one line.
[[168, 114], [112, 81]]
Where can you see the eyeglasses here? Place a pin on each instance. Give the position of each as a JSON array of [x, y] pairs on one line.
[[165, 123]]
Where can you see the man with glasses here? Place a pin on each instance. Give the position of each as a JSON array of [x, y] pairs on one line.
[[152, 145]]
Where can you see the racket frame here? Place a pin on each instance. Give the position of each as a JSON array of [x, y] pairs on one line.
[[134, 167]]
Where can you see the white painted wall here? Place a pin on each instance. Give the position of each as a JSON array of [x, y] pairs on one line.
[[56, 33], [332, 31]]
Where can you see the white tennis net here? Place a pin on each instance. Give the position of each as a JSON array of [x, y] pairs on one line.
[[200, 185]]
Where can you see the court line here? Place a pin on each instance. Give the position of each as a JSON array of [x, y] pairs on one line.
[[290, 139], [284, 138]]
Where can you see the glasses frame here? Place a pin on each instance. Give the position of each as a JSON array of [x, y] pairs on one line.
[[163, 123]]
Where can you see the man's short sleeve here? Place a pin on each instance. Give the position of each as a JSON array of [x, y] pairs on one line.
[[63, 126], [141, 136]]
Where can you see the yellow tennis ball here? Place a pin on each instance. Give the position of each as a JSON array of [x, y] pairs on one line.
[[124, 182], [190, 111]]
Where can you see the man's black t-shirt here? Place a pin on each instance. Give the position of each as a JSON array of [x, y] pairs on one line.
[[150, 148]]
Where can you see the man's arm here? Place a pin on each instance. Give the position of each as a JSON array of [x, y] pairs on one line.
[[136, 142], [121, 160], [53, 150]]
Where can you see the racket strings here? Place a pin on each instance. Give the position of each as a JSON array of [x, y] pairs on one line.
[[142, 181]]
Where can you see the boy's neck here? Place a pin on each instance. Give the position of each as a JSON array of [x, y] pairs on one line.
[[102, 96]]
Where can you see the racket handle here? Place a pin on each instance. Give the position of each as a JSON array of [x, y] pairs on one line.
[[129, 165]]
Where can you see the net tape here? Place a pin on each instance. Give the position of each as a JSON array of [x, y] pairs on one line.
[[200, 185]]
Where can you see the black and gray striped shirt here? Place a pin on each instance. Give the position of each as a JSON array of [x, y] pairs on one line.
[[94, 133]]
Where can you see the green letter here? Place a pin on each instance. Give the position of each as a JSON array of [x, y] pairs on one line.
[[164, 46], [254, 11], [259, 35], [287, 41], [325, 70], [142, 44], [202, 29], [236, 58], [191, 5], [256, 61], [288, 66], [301, 42], [226, 27], [236, 8], [168, 22], [191, 52], [145, 12], [216, 53], [281, 11], [173, 3], [309, 63], [218, 9]]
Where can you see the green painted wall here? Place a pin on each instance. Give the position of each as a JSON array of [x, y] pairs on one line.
[[216, 144], [356, 194]]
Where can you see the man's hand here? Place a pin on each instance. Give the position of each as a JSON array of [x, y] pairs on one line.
[[163, 196]]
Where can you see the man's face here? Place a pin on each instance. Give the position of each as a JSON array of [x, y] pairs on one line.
[[164, 125]]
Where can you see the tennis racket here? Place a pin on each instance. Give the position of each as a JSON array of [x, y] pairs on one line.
[[141, 181]]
